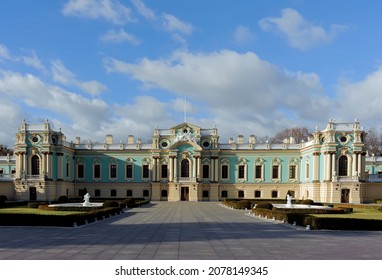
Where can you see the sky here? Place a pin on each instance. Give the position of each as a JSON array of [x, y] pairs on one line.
[[248, 67]]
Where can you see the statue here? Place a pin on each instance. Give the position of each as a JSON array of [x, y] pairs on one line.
[[86, 200], [289, 200]]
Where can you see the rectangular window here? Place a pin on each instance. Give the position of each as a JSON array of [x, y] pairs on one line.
[[241, 172], [113, 171], [113, 193], [257, 193], [274, 194], [1, 171], [224, 171], [224, 194], [164, 171], [292, 172], [275, 172], [240, 194], [145, 171], [206, 171], [81, 171], [97, 171], [258, 171], [13, 171], [97, 193], [67, 170], [129, 171], [307, 170]]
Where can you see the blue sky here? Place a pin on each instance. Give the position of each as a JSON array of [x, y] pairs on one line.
[[97, 67]]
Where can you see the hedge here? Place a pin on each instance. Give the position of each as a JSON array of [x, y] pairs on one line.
[[36, 219]]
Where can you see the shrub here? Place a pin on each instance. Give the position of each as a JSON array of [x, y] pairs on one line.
[[63, 199], [36, 204], [264, 205], [308, 202], [110, 204]]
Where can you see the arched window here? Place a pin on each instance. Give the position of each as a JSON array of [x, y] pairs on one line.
[[343, 166], [35, 165], [185, 168]]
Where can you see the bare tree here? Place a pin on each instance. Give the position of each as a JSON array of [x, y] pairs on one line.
[[298, 133], [4, 150], [373, 142]]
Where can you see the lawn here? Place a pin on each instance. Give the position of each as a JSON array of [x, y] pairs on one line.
[[26, 210], [358, 213]]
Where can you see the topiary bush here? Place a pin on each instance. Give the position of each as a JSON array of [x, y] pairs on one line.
[[308, 202], [110, 204], [63, 199], [264, 205]]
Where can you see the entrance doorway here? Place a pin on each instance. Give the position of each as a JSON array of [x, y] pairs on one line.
[[184, 193], [32, 194], [345, 195]]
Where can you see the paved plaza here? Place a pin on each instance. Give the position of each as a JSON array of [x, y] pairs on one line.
[[186, 230]]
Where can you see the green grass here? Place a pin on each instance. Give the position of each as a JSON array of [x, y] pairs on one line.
[[26, 210], [357, 213]]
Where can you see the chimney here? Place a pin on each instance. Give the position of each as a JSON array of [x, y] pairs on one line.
[[78, 140], [109, 139], [240, 139], [130, 139]]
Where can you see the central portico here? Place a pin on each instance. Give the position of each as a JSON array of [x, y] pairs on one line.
[[179, 151]]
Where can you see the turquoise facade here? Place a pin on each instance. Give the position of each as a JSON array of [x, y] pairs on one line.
[[187, 162]]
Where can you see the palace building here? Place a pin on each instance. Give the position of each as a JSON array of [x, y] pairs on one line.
[[189, 163]]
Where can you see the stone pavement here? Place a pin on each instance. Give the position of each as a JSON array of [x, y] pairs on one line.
[[186, 230]]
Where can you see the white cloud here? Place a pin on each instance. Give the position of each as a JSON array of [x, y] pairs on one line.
[[299, 32], [144, 10], [62, 75], [109, 10], [243, 35], [234, 87], [365, 94], [30, 91], [119, 36], [173, 24], [4, 52], [34, 61]]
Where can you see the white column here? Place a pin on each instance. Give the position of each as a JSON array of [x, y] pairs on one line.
[[154, 170], [361, 170], [175, 168], [48, 161], [327, 166], [158, 170], [171, 171], [333, 164], [193, 167], [354, 165], [212, 168], [199, 167], [216, 169], [316, 166], [24, 163]]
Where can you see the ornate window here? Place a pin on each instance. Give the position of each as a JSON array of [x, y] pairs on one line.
[[276, 170], [164, 171], [259, 170], [224, 163], [97, 169], [293, 164], [242, 170], [129, 169], [80, 171], [113, 166], [343, 166], [185, 168], [146, 169], [35, 165]]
